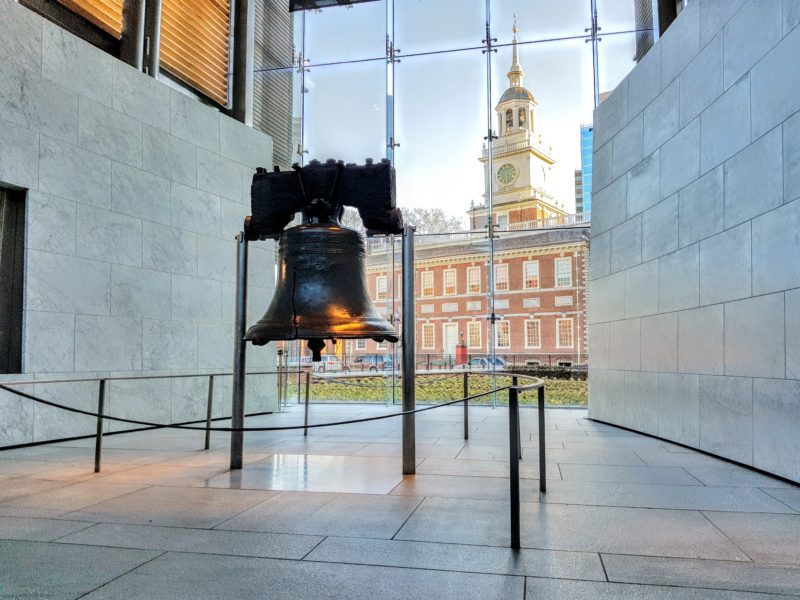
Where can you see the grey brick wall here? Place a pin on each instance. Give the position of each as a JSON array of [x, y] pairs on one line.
[[135, 192], [695, 307]]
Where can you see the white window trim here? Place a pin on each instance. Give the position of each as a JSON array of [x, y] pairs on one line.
[[497, 335], [378, 280], [525, 285], [572, 332], [423, 277], [562, 259], [471, 280], [455, 282], [501, 266], [470, 325], [536, 347], [361, 344], [433, 336]]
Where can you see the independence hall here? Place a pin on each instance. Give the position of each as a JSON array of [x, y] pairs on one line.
[[540, 262]]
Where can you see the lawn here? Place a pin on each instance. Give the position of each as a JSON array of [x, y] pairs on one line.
[[434, 388]]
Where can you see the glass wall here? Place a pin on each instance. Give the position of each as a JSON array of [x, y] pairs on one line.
[[479, 104]]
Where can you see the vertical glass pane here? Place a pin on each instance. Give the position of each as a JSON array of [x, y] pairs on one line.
[[539, 19], [345, 112], [440, 123], [616, 58], [614, 15], [434, 25], [539, 127], [276, 111], [345, 33]]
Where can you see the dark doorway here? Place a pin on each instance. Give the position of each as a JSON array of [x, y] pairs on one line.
[[12, 244]]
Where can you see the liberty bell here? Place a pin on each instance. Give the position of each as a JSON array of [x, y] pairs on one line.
[[321, 291]]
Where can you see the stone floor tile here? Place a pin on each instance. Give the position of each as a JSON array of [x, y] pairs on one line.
[[653, 532], [167, 474], [627, 474], [206, 541], [715, 574], [54, 571], [561, 589], [14, 487], [665, 458], [37, 530], [216, 577], [349, 515], [179, 507], [683, 497], [483, 468], [444, 450], [67, 498], [453, 486], [455, 557], [722, 474], [300, 472], [765, 538]]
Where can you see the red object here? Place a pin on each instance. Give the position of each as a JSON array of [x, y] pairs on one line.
[[461, 354]]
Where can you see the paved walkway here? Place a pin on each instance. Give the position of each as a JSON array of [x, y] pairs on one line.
[[330, 516]]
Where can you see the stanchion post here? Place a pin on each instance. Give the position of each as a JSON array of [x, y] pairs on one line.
[[513, 445], [209, 408], [98, 442], [514, 382], [540, 409], [466, 405], [239, 353], [409, 375], [305, 418]]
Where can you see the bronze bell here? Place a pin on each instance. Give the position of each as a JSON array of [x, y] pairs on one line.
[[321, 292]]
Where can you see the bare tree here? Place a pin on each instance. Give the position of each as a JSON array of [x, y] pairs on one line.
[[433, 220]]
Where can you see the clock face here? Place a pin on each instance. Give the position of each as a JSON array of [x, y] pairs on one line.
[[506, 174]]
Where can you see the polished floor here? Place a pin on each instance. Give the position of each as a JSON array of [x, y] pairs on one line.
[[331, 516]]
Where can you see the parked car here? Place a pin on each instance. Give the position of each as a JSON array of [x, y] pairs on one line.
[[371, 362], [486, 362], [329, 363]]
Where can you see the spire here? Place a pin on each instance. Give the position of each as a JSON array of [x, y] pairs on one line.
[[515, 73]]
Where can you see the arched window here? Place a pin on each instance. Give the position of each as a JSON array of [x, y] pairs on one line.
[[521, 117], [531, 121], [509, 120]]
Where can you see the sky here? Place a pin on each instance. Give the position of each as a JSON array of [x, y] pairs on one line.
[[440, 98]]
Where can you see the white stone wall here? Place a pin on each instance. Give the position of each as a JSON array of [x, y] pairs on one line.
[[135, 192], [695, 262]]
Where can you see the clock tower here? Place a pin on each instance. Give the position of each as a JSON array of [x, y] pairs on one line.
[[521, 163]]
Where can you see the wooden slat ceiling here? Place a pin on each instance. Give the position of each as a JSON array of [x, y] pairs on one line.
[[194, 44], [106, 14]]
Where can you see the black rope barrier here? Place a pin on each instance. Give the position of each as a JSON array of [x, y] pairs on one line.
[[232, 429]]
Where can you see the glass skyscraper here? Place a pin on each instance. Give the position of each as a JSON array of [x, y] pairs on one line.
[[586, 169]]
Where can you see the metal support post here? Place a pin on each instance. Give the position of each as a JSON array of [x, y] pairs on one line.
[[244, 17], [239, 353], [131, 46], [540, 409], [519, 436], [409, 374], [152, 38], [98, 443], [299, 374], [513, 445], [305, 421], [466, 405], [209, 406]]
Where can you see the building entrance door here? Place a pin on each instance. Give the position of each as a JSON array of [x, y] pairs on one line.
[[449, 341]]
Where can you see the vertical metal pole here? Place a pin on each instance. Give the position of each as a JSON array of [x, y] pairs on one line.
[[98, 443], [305, 422], [209, 407], [239, 353], [243, 61], [409, 374], [540, 409], [152, 38], [131, 46], [299, 373], [514, 382], [466, 405], [513, 445], [595, 61]]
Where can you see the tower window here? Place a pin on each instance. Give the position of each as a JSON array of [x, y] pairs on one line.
[[509, 120], [522, 119]]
